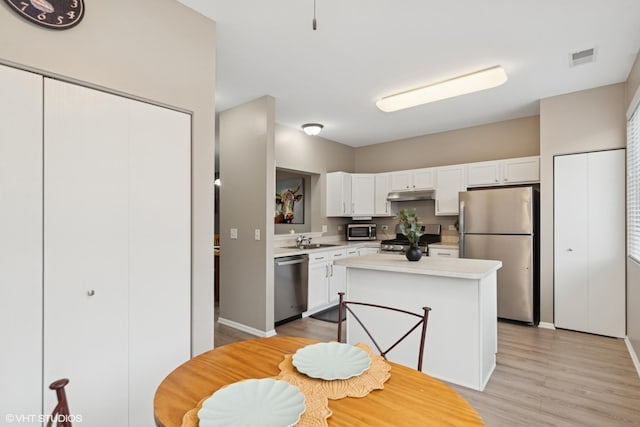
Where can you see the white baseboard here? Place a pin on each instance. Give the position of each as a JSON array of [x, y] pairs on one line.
[[633, 355], [545, 325], [247, 329]]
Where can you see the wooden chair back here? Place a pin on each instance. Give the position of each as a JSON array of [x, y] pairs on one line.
[[60, 413], [345, 306]]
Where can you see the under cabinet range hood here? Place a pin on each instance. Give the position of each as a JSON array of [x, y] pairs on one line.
[[410, 196]]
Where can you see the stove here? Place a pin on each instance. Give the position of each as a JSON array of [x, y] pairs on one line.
[[400, 244]]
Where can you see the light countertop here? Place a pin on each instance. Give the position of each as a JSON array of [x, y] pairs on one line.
[[463, 268], [341, 244]]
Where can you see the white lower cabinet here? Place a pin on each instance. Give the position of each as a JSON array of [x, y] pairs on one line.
[[589, 242], [106, 298], [443, 252], [325, 279]]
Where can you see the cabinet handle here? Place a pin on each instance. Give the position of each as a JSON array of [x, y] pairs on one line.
[[331, 275], [91, 293], [326, 271]]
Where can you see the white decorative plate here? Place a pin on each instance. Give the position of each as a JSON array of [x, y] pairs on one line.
[[264, 403], [331, 361]]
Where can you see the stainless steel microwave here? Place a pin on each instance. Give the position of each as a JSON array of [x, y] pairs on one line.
[[360, 231]]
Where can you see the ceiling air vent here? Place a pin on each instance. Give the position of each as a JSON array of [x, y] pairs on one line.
[[582, 57]]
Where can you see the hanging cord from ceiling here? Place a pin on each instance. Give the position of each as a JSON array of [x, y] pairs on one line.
[[315, 23]]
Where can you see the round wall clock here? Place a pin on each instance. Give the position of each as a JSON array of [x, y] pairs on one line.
[[54, 14]]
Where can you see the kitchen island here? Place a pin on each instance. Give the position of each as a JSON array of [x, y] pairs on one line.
[[461, 341]]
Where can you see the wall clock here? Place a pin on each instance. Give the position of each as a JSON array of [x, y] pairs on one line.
[[54, 14]]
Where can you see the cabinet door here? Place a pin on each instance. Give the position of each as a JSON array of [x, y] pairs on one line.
[[423, 179], [86, 219], [449, 182], [337, 275], [338, 194], [570, 264], [20, 241], [443, 252], [318, 286], [362, 194], [520, 170], [401, 181], [483, 174], [159, 248], [382, 206]]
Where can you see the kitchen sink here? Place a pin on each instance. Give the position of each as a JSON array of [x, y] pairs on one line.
[[312, 246]]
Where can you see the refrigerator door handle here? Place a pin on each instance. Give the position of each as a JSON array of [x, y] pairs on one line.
[[461, 226]]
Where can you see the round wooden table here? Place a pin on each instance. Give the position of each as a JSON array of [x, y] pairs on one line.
[[409, 397]]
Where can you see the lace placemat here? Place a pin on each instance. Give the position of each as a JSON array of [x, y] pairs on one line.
[[317, 392]]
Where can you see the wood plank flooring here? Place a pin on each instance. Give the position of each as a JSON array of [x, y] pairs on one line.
[[543, 377]]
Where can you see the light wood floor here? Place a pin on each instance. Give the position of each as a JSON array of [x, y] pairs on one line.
[[543, 377]]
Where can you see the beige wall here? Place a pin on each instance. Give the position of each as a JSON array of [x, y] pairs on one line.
[[583, 121], [314, 155], [633, 268], [123, 47], [247, 173], [501, 140]]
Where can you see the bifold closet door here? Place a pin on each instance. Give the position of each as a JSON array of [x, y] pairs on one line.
[[117, 250], [589, 243], [159, 252], [86, 267], [20, 242]]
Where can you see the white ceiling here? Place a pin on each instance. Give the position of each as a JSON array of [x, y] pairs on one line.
[[366, 49]]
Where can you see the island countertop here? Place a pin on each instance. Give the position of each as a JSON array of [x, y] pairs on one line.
[[463, 268]]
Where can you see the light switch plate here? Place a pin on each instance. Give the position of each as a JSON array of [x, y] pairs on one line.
[[256, 234], [452, 227], [233, 235], [324, 228]]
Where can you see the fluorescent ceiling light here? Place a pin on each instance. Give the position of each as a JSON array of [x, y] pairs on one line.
[[312, 128], [473, 82]]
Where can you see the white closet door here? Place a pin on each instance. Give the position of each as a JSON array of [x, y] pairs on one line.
[[589, 227], [606, 231], [159, 252], [20, 242], [86, 251], [570, 243]]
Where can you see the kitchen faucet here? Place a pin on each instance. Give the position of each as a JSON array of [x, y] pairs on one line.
[[302, 241]]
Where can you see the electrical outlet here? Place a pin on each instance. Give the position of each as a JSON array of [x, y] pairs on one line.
[[385, 228], [339, 228], [452, 227], [233, 234], [324, 228], [256, 234]]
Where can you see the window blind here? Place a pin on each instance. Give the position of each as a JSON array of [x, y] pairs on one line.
[[633, 185]]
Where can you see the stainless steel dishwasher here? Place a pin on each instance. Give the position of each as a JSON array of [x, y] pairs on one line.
[[290, 285]]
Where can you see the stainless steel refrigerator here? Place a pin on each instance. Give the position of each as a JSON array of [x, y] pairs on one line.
[[503, 224]]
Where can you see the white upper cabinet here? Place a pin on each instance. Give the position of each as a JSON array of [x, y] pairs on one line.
[[423, 179], [362, 194], [416, 179], [503, 172], [484, 173], [521, 170], [382, 206], [338, 194], [450, 181]]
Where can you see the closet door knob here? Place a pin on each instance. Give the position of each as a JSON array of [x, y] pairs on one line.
[[91, 293]]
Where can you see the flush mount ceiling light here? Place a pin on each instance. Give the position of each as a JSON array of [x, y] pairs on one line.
[[312, 128], [461, 85]]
